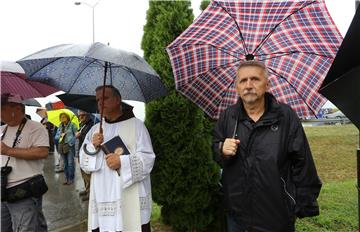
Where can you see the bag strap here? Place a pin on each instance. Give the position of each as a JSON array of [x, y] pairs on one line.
[[18, 132]]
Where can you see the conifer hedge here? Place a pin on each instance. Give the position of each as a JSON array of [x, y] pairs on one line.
[[185, 178]]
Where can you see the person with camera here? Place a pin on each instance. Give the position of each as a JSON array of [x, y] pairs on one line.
[[24, 146]]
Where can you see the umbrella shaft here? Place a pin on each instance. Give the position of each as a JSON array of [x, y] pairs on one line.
[[103, 96]]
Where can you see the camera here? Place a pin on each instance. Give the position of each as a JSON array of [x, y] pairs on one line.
[[5, 171]]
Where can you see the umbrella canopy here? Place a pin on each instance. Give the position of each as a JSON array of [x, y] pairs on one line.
[[86, 103], [53, 116], [31, 102], [297, 41], [342, 83], [55, 105], [15, 83], [79, 69]]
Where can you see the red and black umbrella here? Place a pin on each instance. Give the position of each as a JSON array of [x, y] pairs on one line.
[[296, 39]]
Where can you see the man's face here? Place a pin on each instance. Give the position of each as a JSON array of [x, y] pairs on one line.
[[82, 116], [251, 84], [8, 112], [111, 102]]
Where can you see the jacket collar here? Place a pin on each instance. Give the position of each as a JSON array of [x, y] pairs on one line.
[[270, 116]]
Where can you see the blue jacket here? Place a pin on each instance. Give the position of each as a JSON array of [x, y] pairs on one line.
[[69, 130]]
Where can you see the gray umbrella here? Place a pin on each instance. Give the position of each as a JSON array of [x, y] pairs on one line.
[[31, 102], [79, 69]]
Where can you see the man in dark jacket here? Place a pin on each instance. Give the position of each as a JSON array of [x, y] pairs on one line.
[[85, 125], [269, 177]]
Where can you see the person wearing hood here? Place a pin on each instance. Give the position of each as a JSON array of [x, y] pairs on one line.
[[269, 176], [120, 189]]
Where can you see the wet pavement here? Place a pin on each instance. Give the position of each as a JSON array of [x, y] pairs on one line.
[[62, 205]]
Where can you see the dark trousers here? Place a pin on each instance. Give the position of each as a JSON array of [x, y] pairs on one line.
[[234, 225]]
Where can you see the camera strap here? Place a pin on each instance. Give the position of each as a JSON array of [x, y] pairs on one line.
[[18, 132]]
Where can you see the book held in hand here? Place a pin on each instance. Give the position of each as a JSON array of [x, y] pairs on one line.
[[115, 145]]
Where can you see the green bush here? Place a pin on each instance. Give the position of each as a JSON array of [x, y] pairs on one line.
[[185, 178]]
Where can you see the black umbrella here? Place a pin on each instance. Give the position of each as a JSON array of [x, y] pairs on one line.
[[341, 85], [86, 103]]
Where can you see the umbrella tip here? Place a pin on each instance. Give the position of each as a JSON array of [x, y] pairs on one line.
[[249, 57]]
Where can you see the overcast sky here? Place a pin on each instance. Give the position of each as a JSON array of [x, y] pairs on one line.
[[28, 26]]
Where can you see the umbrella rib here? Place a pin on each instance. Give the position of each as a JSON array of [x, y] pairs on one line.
[[93, 61], [52, 61], [277, 25], [237, 25], [128, 69], [280, 54], [203, 44], [292, 86]]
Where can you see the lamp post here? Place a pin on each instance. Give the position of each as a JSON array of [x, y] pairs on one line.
[[93, 15]]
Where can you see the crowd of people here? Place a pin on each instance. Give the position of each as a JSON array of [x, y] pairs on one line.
[[268, 175]]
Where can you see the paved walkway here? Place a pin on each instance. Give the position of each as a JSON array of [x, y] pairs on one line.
[[62, 205]]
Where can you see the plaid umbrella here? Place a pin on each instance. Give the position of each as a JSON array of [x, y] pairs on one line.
[[297, 41]]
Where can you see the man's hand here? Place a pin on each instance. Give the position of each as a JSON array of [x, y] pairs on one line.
[[77, 135], [5, 149], [113, 161], [230, 146], [97, 139]]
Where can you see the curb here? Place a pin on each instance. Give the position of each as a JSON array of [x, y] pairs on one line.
[[69, 226]]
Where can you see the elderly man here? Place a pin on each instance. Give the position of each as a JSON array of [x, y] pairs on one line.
[[85, 125], [269, 177], [120, 189], [24, 146]]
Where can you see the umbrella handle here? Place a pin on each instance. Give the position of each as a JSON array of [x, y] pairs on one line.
[[92, 153]]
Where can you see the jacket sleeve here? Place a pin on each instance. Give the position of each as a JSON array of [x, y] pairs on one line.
[[304, 174], [219, 138], [58, 133]]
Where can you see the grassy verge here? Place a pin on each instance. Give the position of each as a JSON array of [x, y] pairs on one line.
[[338, 209], [334, 151]]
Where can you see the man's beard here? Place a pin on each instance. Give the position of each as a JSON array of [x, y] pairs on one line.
[[250, 97]]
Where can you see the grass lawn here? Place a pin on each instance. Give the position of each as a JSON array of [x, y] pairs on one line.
[[334, 151]]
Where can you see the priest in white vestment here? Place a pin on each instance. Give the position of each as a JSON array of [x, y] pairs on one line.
[[120, 189]]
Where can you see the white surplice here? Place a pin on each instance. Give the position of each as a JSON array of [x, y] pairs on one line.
[[107, 187]]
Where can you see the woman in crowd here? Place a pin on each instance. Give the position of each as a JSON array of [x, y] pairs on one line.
[[66, 136]]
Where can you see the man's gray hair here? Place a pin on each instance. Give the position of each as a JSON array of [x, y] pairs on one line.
[[253, 63]]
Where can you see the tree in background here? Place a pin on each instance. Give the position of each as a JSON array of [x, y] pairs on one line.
[[185, 178], [204, 4]]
